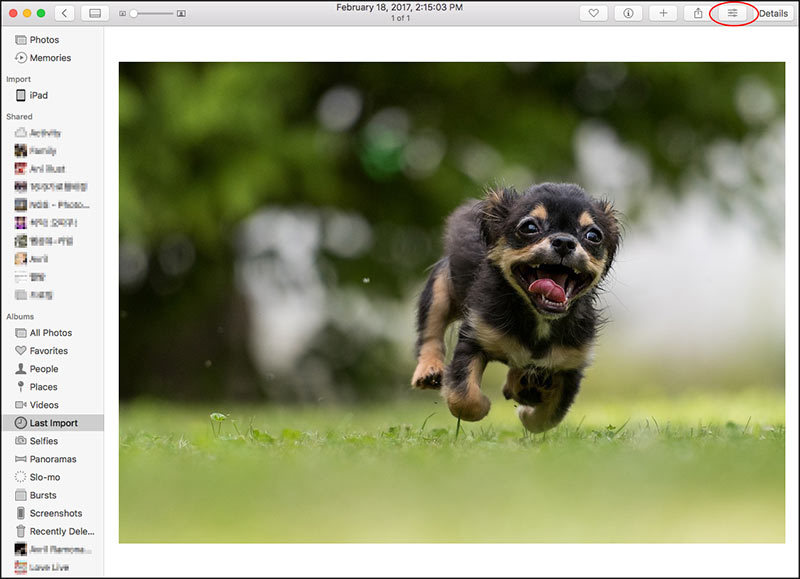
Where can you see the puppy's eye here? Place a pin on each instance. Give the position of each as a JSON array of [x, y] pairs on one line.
[[528, 227], [594, 236]]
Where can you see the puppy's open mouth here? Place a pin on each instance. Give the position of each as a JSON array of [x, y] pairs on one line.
[[551, 286]]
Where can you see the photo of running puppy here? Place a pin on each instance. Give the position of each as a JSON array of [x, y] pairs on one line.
[[522, 273]]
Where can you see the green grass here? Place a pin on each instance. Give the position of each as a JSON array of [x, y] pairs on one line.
[[687, 469]]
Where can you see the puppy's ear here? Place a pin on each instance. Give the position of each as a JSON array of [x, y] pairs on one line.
[[495, 208], [610, 222]]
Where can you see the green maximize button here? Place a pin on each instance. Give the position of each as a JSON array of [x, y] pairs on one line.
[[40, 13]]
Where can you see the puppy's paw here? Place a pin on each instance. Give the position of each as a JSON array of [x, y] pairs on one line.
[[428, 375], [529, 396], [522, 386], [534, 419], [542, 416], [471, 407], [513, 383], [526, 386]]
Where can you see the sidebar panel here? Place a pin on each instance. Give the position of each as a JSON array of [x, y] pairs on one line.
[[52, 303]]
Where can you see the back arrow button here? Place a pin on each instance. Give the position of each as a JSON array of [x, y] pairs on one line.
[[64, 13]]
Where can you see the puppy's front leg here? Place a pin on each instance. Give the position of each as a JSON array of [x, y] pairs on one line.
[[462, 384], [433, 315], [555, 397]]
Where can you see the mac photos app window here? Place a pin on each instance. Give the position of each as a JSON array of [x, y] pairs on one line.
[[399, 289]]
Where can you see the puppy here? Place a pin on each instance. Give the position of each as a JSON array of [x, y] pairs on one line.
[[521, 272]]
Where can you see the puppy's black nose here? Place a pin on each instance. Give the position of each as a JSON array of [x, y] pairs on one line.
[[563, 244]]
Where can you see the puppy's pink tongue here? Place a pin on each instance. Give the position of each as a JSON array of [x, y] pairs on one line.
[[549, 289]]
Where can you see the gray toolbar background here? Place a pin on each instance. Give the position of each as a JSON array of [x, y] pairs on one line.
[[327, 14]]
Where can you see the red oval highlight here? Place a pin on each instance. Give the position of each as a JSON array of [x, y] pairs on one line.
[[723, 23]]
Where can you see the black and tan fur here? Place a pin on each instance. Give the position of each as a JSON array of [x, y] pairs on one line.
[[493, 249]]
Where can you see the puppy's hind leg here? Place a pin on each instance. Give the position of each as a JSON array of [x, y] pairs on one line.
[[434, 313]]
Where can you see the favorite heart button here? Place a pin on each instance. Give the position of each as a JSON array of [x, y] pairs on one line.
[[20, 350], [593, 13]]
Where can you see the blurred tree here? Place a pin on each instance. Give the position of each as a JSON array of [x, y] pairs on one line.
[[205, 145]]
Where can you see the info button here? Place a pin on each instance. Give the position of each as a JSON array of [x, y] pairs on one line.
[[594, 13], [628, 13]]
